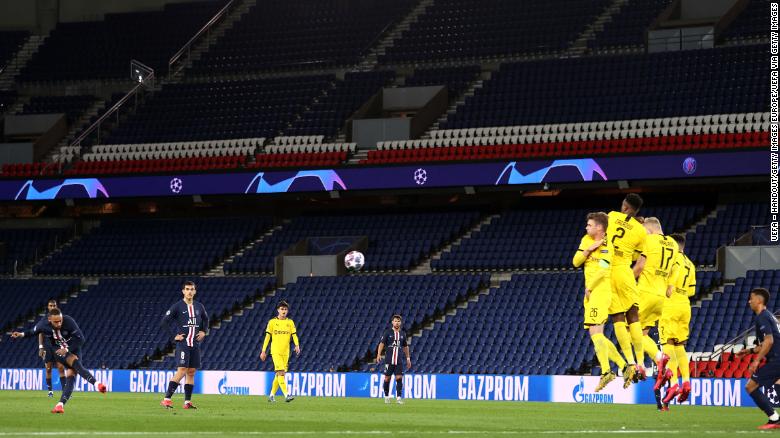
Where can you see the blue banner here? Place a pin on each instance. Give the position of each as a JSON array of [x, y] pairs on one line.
[[564, 389], [414, 176]]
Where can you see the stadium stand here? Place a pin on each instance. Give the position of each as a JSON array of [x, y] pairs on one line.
[[10, 43], [724, 317], [25, 246], [327, 115], [71, 106], [167, 246], [280, 35], [21, 298], [222, 110], [103, 49], [535, 239], [423, 233], [146, 299], [628, 28], [507, 327], [729, 224], [625, 87], [750, 25], [6, 99], [461, 29], [315, 302]]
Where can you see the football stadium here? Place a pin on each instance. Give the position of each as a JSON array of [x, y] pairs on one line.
[[393, 218]]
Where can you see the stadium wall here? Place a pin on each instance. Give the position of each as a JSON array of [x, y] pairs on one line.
[[559, 389]]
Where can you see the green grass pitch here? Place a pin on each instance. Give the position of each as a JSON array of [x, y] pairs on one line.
[[26, 413]]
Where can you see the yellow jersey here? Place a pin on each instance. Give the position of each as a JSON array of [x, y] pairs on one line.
[[660, 253], [684, 279], [280, 331], [626, 236], [596, 265]]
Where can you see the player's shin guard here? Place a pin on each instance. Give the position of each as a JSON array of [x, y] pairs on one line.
[[386, 387], [669, 350], [399, 387], [83, 372], [762, 402], [67, 390], [624, 340], [602, 351], [188, 392], [683, 363], [635, 329], [48, 383], [649, 347], [172, 386], [282, 385]]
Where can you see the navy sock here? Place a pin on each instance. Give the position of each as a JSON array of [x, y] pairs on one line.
[[762, 402], [171, 389], [386, 387], [67, 390], [399, 387], [83, 372], [188, 391], [48, 383]]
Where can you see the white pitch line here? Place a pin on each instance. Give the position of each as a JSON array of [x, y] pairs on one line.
[[378, 432]]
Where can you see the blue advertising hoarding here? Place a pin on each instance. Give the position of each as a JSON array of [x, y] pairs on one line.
[[413, 176], [559, 389]]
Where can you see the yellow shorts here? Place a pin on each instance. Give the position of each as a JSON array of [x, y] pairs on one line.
[[280, 361], [650, 308], [675, 322], [597, 307], [624, 290]]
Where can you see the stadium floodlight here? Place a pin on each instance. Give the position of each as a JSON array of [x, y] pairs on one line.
[[141, 73]]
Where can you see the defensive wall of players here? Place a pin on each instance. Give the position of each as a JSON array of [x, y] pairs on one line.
[[562, 389]]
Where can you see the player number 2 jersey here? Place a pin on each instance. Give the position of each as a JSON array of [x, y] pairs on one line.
[[626, 236]]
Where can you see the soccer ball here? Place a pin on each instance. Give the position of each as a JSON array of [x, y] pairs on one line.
[[354, 261]]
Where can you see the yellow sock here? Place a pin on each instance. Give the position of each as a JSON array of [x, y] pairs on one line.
[[624, 340], [274, 386], [612, 352], [282, 385], [635, 329], [650, 348], [672, 364], [682, 360], [602, 354]]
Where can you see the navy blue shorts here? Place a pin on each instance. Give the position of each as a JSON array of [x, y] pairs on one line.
[[391, 369], [49, 358], [187, 357], [768, 374], [62, 359]]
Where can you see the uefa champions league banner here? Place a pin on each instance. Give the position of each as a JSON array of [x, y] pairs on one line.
[[561, 389], [410, 176]]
